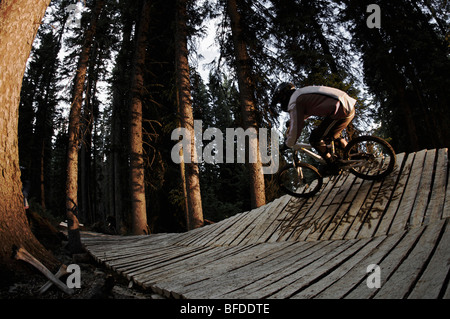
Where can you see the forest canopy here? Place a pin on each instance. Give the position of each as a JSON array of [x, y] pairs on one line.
[[137, 70]]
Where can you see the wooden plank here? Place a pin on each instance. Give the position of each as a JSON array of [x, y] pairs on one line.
[[236, 280], [209, 233], [272, 224], [357, 274], [300, 222], [380, 203], [261, 229], [189, 237], [133, 269], [185, 269], [447, 293], [355, 216], [318, 286], [245, 221], [360, 218], [318, 269], [315, 222], [113, 257], [161, 283], [401, 281], [130, 264], [371, 212], [121, 262], [270, 278], [254, 225], [432, 280], [375, 204], [420, 204], [332, 210], [437, 200], [446, 210], [210, 273], [294, 207], [341, 219], [352, 211], [401, 220], [220, 229], [389, 264], [271, 274], [396, 198], [114, 253], [124, 243]]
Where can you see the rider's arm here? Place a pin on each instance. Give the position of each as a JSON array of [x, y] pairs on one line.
[[295, 129]]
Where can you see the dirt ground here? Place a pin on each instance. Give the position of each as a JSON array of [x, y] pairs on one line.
[[97, 282]]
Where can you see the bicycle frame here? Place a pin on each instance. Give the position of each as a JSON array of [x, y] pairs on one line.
[[306, 149]]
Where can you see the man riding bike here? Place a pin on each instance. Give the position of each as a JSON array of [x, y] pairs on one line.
[[335, 107]]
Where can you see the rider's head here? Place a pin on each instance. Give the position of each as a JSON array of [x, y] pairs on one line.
[[282, 94]]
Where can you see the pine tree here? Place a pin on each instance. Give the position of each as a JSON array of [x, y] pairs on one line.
[[246, 88], [160, 117], [45, 100], [117, 141], [195, 213], [18, 27], [90, 168], [225, 190], [406, 68], [74, 132], [138, 206]]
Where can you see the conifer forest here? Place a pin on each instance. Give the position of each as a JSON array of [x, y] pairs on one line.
[[92, 91]]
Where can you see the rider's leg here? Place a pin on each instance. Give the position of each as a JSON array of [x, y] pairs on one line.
[[321, 148], [341, 142], [329, 129], [318, 135]]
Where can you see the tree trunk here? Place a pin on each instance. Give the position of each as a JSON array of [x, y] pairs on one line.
[[119, 129], [245, 81], [195, 213], [42, 174], [138, 203], [19, 21], [74, 243]]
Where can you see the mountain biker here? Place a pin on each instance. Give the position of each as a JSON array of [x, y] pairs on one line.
[[335, 107]]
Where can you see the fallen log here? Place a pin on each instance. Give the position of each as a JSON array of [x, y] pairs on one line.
[[62, 271], [24, 255]]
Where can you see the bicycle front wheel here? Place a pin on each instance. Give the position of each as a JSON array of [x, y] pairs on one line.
[[370, 157], [302, 181]]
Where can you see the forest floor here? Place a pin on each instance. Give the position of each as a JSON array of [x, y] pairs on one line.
[[97, 282]]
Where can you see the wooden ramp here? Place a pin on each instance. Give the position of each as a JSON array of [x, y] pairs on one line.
[[315, 248]]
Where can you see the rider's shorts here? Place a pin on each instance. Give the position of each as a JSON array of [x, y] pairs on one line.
[[330, 128]]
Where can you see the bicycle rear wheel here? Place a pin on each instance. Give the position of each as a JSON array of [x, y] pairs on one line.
[[370, 157], [302, 181]]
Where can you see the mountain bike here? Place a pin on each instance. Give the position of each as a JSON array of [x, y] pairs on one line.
[[367, 157]]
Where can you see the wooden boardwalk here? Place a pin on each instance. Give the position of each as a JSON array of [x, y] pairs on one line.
[[315, 248]]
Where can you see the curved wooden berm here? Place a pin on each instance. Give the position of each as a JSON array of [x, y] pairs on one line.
[[308, 248]]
